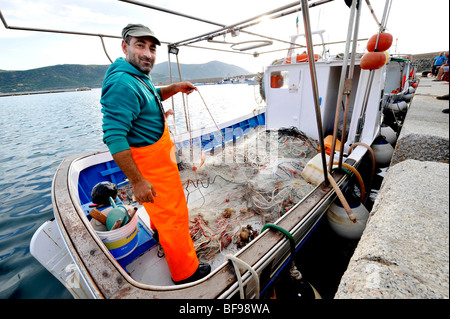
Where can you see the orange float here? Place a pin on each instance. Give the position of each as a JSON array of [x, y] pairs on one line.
[[305, 58], [384, 42], [373, 60], [302, 58]]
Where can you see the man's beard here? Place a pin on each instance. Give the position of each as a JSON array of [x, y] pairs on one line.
[[140, 66]]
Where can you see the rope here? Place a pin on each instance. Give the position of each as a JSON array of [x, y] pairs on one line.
[[373, 161], [215, 123], [294, 272], [235, 260], [104, 49]]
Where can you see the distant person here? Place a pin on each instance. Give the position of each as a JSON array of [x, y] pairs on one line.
[[437, 62], [443, 74], [138, 138]]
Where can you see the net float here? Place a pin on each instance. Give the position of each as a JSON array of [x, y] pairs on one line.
[[373, 60], [384, 42]]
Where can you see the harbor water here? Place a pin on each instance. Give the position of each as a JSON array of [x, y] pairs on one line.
[[37, 133]]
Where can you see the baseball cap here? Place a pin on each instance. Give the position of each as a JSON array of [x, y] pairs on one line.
[[139, 30]]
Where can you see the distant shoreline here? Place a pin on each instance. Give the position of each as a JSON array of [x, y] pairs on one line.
[[159, 83], [44, 92]]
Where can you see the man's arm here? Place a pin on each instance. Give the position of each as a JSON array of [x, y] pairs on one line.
[[143, 190], [172, 89]]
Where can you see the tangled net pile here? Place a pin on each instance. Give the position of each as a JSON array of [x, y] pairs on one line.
[[244, 186]]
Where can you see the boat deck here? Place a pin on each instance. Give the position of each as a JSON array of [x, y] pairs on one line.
[[404, 250]]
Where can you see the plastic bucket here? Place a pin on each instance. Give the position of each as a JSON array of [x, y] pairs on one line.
[[122, 241]]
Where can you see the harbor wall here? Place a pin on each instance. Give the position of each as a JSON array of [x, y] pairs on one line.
[[424, 62], [404, 250]]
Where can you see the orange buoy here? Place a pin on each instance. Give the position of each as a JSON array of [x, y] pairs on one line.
[[373, 60], [384, 42], [304, 57]]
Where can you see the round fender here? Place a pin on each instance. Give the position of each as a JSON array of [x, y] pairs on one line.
[[384, 42], [373, 60]]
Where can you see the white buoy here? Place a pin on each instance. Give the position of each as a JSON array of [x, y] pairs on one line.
[[411, 90], [396, 97], [388, 133], [407, 97], [342, 225], [399, 106], [383, 151]]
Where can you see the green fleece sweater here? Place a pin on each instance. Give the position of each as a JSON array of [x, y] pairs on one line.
[[131, 116]]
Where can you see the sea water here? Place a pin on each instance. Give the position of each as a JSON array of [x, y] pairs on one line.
[[37, 132]]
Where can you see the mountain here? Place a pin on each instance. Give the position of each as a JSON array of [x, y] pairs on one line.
[[65, 76], [213, 69], [72, 76]]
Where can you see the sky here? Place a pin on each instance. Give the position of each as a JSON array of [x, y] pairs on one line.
[[417, 27]]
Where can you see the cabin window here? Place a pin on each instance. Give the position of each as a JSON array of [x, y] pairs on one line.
[[279, 80]]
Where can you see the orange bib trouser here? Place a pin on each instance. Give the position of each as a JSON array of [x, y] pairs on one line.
[[169, 212]]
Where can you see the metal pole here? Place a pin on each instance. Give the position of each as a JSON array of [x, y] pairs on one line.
[[186, 114], [209, 34], [150, 6], [350, 79], [372, 12], [146, 5], [312, 68], [341, 83], [360, 125], [173, 106], [56, 31], [236, 24]]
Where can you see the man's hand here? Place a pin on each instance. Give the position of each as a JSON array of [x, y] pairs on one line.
[[187, 87], [172, 89], [144, 192], [168, 112]]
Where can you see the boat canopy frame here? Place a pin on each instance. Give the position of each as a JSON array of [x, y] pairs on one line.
[[224, 29]]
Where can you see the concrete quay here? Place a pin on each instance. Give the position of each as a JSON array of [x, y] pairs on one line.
[[404, 250]]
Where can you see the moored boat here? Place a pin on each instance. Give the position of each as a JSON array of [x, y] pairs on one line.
[[72, 248]]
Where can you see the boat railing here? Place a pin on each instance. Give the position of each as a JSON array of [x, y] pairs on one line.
[[295, 37]]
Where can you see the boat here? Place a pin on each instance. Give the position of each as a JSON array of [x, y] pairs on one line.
[[303, 96]]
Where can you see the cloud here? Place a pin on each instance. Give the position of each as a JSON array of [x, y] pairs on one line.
[[109, 17]]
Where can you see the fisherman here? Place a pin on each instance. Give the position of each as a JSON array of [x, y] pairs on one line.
[[137, 135]]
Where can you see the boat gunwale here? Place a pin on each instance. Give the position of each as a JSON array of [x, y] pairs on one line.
[[88, 257]]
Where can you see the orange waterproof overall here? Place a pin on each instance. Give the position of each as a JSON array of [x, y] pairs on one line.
[[169, 212]]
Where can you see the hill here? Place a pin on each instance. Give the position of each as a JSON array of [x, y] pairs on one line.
[[213, 69], [66, 76], [72, 76]]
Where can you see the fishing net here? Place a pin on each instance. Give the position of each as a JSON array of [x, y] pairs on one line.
[[234, 191]]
